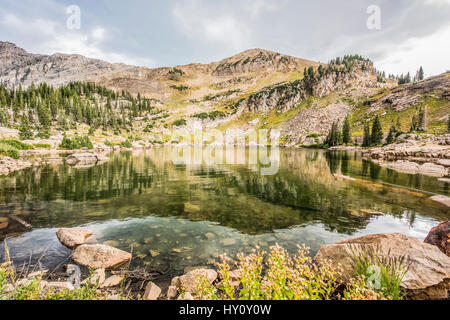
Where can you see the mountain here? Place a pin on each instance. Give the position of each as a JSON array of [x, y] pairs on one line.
[[254, 89], [18, 67]]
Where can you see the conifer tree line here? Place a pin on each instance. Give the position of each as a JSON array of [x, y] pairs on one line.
[[419, 121], [373, 133], [339, 65], [42, 107], [419, 76], [336, 137]]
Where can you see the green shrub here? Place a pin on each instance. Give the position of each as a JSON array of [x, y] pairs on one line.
[[9, 151], [126, 144], [43, 135], [109, 143], [76, 142], [276, 276], [42, 145], [179, 88], [19, 145], [180, 123], [383, 274]]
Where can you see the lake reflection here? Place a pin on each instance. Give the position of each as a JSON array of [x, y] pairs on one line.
[[176, 216]]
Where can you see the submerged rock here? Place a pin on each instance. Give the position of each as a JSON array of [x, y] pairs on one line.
[[440, 237], [85, 159], [442, 199], [74, 237], [100, 256], [191, 208], [428, 276]]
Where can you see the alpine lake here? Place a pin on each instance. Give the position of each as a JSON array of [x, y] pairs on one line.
[[175, 216]]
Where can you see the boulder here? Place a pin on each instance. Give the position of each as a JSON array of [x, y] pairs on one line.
[[433, 169], [440, 237], [112, 281], [442, 199], [99, 256], [98, 277], [172, 292], [60, 286], [74, 237], [3, 223], [444, 162], [404, 166], [186, 296], [188, 282], [152, 292], [81, 159], [428, 276]]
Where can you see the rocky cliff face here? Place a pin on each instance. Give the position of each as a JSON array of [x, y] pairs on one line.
[[363, 75], [286, 96], [18, 67], [257, 60], [283, 97], [409, 95]]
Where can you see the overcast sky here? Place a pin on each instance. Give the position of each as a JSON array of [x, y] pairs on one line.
[[175, 32]]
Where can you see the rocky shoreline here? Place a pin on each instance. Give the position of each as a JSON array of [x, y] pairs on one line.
[[424, 149], [427, 263]]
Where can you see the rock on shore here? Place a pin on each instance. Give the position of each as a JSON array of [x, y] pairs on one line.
[[428, 276], [8, 165], [73, 237], [440, 236], [412, 167], [428, 148], [100, 256]]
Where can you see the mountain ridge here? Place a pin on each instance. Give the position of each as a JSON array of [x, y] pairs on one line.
[[253, 89]]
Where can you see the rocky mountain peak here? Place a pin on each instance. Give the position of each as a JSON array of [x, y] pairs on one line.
[[254, 60], [10, 50]]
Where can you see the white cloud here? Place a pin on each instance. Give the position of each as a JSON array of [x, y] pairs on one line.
[[255, 7], [52, 37], [200, 24], [431, 52]]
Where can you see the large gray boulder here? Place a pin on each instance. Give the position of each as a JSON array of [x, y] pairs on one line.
[[440, 237], [84, 159], [99, 256], [189, 281], [428, 276], [73, 237]]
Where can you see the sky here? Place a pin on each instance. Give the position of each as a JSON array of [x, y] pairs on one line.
[[398, 35]]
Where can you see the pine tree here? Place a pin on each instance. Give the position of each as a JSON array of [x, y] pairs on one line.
[[398, 126], [423, 119], [334, 137], [366, 139], [377, 132], [25, 132], [391, 137], [421, 74], [448, 124], [413, 124], [346, 132]]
